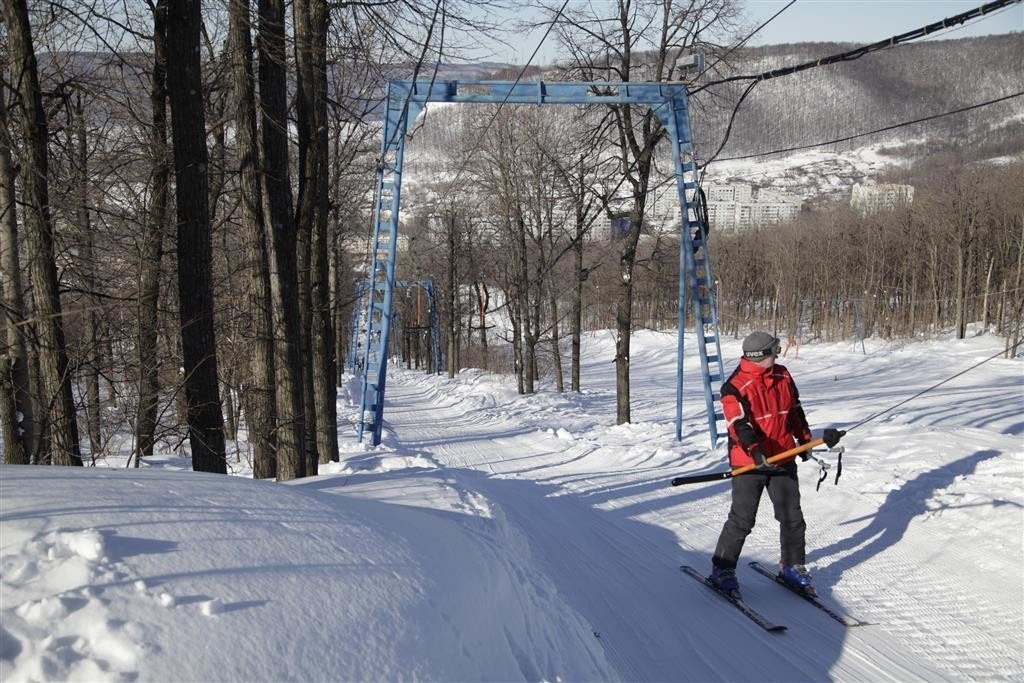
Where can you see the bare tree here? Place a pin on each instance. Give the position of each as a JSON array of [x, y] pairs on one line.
[[281, 243], [260, 395], [311, 23], [16, 404], [55, 380], [152, 248], [577, 174], [92, 355], [631, 40], [195, 290]]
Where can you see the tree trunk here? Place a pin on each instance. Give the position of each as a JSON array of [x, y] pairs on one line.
[[624, 324], [517, 346], [961, 294], [260, 399], [18, 433], [311, 23], [339, 321], [281, 243], [483, 298], [93, 351], [152, 245], [933, 277], [577, 310], [533, 336], [913, 302], [556, 352], [230, 412], [1015, 319], [195, 253], [985, 321], [522, 308], [55, 379], [453, 298]]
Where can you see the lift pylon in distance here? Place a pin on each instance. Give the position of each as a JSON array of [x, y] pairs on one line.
[[357, 324]]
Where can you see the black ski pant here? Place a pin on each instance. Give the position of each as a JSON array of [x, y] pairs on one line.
[[784, 490]]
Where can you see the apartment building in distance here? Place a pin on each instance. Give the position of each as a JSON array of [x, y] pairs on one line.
[[737, 205], [872, 197], [730, 207]]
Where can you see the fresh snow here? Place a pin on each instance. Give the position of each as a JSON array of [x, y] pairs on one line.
[[494, 536]]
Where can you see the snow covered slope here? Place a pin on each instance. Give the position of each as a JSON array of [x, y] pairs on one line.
[[501, 537]]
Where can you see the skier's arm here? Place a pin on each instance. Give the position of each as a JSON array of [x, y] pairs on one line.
[[797, 420], [737, 416]]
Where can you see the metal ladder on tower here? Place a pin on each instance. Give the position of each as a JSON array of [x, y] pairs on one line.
[[357, 328], [705, 314], [400, 109], [695, 279]]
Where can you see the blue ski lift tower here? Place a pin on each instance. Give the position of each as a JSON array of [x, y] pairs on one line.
[[669, 101]]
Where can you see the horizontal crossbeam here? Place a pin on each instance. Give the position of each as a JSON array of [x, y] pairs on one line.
[[539, 92]]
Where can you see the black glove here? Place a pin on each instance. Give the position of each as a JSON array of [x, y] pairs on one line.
[[832, 436], [761, 459], [805, 455]]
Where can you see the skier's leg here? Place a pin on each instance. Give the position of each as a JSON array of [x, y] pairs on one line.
[[784, 491], [746, 495]]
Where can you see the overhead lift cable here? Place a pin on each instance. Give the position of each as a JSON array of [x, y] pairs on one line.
[[859, 52], [847, 56]]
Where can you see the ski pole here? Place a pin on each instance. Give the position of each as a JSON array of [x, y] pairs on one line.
[[721, 476]]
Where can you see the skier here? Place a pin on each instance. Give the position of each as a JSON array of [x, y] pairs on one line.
[[762, 408]]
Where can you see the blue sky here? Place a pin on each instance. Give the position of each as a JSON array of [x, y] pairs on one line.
[[859, 21]]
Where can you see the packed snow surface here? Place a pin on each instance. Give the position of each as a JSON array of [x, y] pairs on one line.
[[494, 536]]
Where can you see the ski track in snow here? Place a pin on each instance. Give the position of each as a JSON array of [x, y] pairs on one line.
[[600, 515]]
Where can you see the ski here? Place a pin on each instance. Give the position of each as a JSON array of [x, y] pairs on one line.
[[813, 599], [738, 603]]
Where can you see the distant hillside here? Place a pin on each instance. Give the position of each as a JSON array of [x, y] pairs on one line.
[[882, 89], [900, 84]]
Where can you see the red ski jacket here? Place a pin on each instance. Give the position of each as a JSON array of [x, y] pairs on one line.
[[762, 407]]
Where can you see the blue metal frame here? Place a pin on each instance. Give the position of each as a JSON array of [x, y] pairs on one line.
[[405, 100], [357, 321], [694, 271]]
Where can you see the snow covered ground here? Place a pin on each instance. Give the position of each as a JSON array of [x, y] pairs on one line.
[[500, 537], [816, 174]]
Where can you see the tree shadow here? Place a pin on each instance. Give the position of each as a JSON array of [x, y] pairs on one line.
[[120, 547]]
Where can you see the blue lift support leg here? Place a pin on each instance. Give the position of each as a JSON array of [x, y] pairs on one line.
[[695, 277], [401, 110], [405, 99], [357, 324]]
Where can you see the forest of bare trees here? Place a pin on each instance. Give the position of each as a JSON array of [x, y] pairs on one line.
[[185, 211], [954, 256], [178, 178]]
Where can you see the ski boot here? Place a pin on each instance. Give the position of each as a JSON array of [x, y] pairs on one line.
[[797, 577], [724, 579]]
